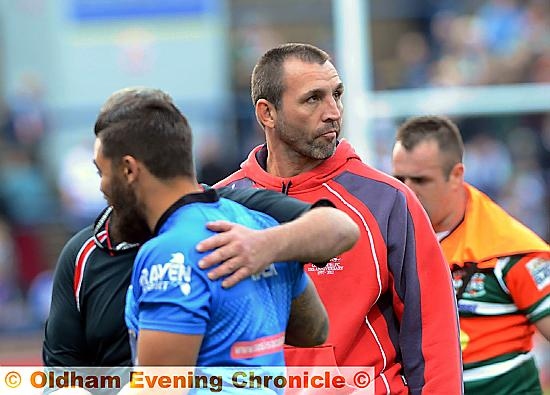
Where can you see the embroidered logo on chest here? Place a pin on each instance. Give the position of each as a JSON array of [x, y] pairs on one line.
[[333, 266], [476, 286]]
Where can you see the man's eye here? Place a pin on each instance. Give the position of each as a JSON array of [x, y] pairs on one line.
[[414, 180], [418, 180]]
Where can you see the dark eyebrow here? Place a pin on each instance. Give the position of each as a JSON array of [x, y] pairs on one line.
[[321, 92], [313, 92]]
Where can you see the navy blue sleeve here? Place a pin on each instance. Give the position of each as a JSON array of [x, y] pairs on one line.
[[277, 205]]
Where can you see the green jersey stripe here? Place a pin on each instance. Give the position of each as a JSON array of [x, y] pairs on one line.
[[495, 369], [541, 309], [486, 308]]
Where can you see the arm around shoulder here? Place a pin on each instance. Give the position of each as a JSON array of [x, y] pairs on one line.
[[317, 236]]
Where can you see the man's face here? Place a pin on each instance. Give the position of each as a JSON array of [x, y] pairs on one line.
[[310, 115], [421, 169], [127, 219]]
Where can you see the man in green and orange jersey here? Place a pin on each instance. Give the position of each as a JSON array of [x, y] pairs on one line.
[[500, 268]]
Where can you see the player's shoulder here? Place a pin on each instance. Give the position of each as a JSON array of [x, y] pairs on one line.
[[181, 236], [82, 235], [79, 240], [539, 259], [74, 248], [236, 212]]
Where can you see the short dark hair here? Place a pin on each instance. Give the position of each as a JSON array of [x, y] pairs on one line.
[[433, 127], [146, 124], [267, 76]]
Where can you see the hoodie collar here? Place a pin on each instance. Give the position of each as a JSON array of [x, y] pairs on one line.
[[256, 164]]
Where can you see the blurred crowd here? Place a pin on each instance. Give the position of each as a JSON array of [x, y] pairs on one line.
[[28, 205], [464, 43], [447, 44]]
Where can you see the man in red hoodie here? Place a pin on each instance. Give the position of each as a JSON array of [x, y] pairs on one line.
[[389, 299]]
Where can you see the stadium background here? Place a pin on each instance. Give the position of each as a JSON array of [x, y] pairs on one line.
[[484, 63]]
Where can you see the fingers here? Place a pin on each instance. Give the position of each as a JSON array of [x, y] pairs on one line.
[[220, 226], [213, 242], [230, 266], [218, 240], [236, 277], [217, 256]]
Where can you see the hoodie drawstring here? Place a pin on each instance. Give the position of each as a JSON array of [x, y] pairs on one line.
[[286, 187]]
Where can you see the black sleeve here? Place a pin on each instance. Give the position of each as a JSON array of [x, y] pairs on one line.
[[277, 205], [64, 343]]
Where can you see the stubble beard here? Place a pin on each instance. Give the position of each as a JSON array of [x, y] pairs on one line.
[[315, 148]]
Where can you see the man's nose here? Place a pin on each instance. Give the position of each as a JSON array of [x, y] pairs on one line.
[[333, 110]]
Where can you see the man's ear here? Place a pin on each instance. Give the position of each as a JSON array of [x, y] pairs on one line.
[[130, 168], [266, 114], [457, 174]]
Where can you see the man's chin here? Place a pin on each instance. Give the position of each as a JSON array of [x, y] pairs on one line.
[[325, 152]]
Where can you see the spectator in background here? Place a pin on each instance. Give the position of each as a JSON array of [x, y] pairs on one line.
[[481, 43], [27, 124], [489, 164], [500, 268], [29, 204], [414, 55], [25, 194], [12, 309], [503, 26], [81, 199], [212, 161], [527, 152]]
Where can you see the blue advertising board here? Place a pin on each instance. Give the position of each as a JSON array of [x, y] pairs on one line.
[[84, 10]]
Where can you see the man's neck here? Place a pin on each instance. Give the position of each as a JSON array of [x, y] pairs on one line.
[[456, 215], [284, 162], [161, 196]]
